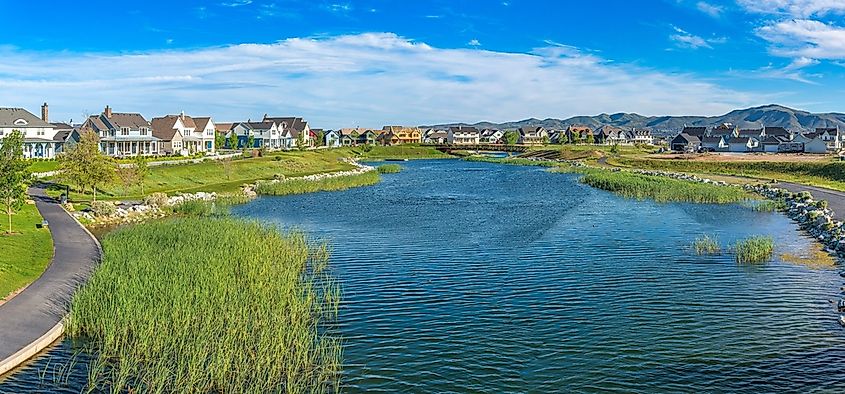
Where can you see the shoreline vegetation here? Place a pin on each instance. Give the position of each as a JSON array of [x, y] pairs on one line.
[[246, 312], [302, 186], [389, 169]]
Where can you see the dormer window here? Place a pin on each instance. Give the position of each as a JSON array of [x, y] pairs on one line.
[[21, 122], [124, 131], [143, 131]]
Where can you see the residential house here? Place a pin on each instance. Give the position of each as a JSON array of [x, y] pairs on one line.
[[831, 136], [771, 143], [578, 133], [264, 135], [433, 136], [742, 144], [123, 134], [331, 139], [778, 132], [66, 136], [396, 135], [39, 135], [685, 143], [533, 135], [727, 130], [813, 142], [714, 143], [463, 135], [295, 128], [752, 133], [639, 136], [183, 135], [610, 135], [491, 136]]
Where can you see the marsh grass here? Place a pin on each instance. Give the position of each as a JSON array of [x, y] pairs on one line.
[[389, 168], [662, 189], [301, 186], [706, 245], [513, 161], [209, 305], [767, 205], [756, 249]]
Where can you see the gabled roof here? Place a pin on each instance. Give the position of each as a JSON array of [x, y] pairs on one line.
[[776, 131], [712, 139], [750, 132], [688, 138], [294, 124], [739, 140], [126, 119], [24, 118], [697, 131], [829, 130], [489, 132], [165, 128], [202, 122], [772, 140], [531, 130], [464, 129]]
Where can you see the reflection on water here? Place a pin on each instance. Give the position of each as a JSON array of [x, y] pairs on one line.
[[464, 277]]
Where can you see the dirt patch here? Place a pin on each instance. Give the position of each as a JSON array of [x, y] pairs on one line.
[[744, 157]]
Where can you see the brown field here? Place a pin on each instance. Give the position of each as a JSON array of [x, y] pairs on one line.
[[744, 157]]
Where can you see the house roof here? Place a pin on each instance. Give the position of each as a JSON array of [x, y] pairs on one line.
[[750, 132], [829, 130], [8, 117], [291, 123], [202, 122], [224, 127], [711, 139], [688, 138], [62, 135], [578, 128], [739, 140], [127, 119], [776, 131], [464, 129], [489, 132], [62, 126], [531, 130], [165, 128], [697, 131]]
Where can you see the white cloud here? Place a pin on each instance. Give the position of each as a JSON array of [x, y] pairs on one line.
[[795, 8], [474, 42], [367, 79], [236, 3], [684, 39], [802, 38], [710, 9]]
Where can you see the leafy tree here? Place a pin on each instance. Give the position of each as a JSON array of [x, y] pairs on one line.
[[226, 165], [511, 137], [142, 171], [127, 177], [564, 138], [614, 150], [300, 141], [219, 141], [250, 141], [590, 138], [321, 136], [233, 141], [546, 140], [14, 174], [85, 166]]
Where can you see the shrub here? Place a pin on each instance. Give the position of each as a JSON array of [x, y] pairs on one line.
[[156, 199], [389, 168], [103, 208], [705, 245], [277, 158], [821, 204], [756, 249]]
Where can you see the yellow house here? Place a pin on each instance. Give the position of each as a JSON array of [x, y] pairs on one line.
[[397, 135]]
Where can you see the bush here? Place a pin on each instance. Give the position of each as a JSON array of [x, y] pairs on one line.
[[756, 249], [156, 199], [821, 204], [706, 245], [103, 208], [389, 168], [277, 158]]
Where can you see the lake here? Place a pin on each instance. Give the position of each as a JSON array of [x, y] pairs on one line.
[[476, 277]]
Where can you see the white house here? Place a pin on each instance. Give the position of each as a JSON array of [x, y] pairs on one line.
[[331, 139], [39, 135], [816, 144], [123, 134], [742, 144], [715, 144], [463, 135], [533, 135], [831, 136], [491, 136], [639, 136], [182, 134], [264, 135], [292, 127], [433, 136]]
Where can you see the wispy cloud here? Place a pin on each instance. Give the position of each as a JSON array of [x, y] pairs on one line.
[[794, 8], [372, 78], [803, 38], [684, 39], [710, 9], [474, 43], [236, 3]]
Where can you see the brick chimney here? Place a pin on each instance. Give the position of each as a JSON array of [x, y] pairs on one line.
[[45, 113], [107, 112]]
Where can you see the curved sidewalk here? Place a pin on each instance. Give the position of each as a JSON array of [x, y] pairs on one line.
[[31, 320]]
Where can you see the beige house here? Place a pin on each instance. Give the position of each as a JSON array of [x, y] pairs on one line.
[[184, 135]]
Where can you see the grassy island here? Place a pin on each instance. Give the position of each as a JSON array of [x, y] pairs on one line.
[[209, 305], [662, 189], [302, 186], [389, 168]]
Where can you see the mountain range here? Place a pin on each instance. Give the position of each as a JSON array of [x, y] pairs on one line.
[[767, 115]]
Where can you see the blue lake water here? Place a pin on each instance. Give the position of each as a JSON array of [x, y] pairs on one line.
[[476, 277]]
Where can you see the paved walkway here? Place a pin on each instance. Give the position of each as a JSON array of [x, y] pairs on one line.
[[835, 199], [30, 318]]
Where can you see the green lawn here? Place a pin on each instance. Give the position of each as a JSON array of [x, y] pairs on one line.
[[44, 166], [26, 253], [410, 151]]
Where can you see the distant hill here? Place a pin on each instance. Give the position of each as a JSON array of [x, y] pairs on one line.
[[768, 115]]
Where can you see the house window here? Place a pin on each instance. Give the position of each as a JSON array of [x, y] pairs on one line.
[[143, 131], [124, 131]]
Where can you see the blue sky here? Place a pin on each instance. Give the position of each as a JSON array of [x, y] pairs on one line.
[[374, 62]]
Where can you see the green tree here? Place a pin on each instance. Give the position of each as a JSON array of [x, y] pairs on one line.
[[564, 138], [142, 171], [219, 141], [546, 140], [320, 138], [614, 150], [511, 137], [590, 138], [14, 174], [300, 141], [85, 166], [233, 141], [250, 141]]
